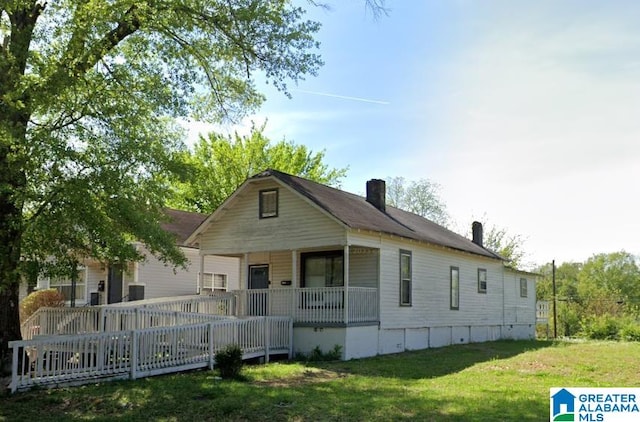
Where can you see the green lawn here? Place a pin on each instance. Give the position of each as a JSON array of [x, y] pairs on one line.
[[489, 381]]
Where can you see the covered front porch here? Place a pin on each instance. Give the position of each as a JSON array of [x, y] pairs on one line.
[[329, 286]]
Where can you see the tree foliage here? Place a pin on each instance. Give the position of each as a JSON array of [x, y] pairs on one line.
[[603, 287], [89, 93], [419, 197], [509, 246], [219, 164]]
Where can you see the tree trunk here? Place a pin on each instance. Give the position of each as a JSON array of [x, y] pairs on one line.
[[14, 118], [12, 185], [10, 239]]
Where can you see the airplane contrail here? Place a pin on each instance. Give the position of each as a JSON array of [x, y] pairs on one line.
[[343, 97]]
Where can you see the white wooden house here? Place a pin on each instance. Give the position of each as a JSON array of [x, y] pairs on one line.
[[356, 273], [100, 283]]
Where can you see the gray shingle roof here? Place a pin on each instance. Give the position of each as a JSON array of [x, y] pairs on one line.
[[355, 212], [182, 223]]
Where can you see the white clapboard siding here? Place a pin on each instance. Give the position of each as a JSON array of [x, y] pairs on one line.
[[431, 286], [518, 309], [298, 224], [161, 280]]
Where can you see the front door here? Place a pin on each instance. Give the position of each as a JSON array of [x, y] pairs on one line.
[[258, 279], [114, 280]]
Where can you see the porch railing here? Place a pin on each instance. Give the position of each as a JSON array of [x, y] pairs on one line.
[[78, 359], [311, 305], [542, 311], [62, 321], [322, 305], [218, 304]]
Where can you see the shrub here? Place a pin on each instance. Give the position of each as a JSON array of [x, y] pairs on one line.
[[317, 355], [630, 331], [603, 327], [229, 361], [39, 299]]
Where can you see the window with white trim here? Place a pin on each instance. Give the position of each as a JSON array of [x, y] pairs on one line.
[[268, 203], [405, 278], [212, 282], [455, 288], [482, 280], [65, 286], [523, 287]]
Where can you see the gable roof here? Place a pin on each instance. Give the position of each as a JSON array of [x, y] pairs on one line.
[[182, 223], [356, 213]]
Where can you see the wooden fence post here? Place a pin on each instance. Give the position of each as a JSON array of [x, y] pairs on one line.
[[14, 367], [134, 354], [290, 338], [211, 358], [267, 338]]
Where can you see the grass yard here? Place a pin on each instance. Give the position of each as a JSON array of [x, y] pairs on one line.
[[497, 381]]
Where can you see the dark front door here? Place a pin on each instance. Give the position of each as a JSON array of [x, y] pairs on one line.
[[114, 280], [258, 279]]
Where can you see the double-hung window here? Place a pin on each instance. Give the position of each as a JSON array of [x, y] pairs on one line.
[[455, 288], [482, 280], [523, 287], [405, 278], [214, 282]]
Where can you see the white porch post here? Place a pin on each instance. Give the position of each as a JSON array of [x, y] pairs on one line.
[[87, 296], [201, 274], [136, 276], [294, 268], [246, 271], [294, 281], [346, 284]]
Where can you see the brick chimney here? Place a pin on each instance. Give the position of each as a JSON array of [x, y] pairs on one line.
[[476, 231], [376, 194]]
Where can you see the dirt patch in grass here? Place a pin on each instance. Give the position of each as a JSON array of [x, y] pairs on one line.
[[309, 376]]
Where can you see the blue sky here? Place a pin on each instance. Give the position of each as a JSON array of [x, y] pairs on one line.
[[526, 113]]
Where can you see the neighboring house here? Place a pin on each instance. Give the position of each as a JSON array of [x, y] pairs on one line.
[[98, 283], [354, 272]]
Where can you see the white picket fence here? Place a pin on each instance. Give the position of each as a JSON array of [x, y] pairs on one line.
[[52, 360]]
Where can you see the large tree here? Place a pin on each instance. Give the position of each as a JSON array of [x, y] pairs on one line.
[[609, 283], [507, 245], [419, 197], [89, 90], [219, 164]]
